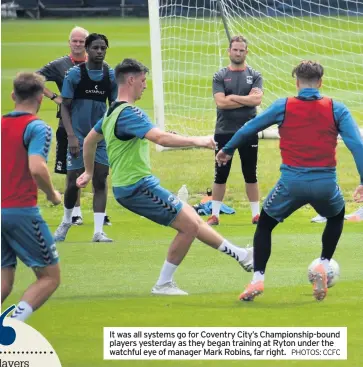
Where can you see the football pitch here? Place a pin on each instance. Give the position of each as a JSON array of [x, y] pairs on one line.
[[108, 285]]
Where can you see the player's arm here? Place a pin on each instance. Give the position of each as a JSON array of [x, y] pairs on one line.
[[49, 71], [51, 95], [222, 101], [66, 113], [89, 153], [40, 173], [71, 79], [166, 139], [37, 139], [114, 87], [89, 150], [254, 98], [73, 142], [132, 122], [350, 134], [272, 115]]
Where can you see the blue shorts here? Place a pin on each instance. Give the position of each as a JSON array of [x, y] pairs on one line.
[[24, 234], [152, 201], [74, 163], [287, 196]]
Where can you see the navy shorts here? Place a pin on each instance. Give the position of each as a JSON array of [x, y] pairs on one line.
[[75, 163], [25, 234], [287, 196], [153, 202]]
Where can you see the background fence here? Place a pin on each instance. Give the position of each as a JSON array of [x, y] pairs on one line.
[[139, 8]]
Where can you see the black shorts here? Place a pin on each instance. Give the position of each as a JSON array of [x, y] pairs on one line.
[[61, 151], [248, 155]]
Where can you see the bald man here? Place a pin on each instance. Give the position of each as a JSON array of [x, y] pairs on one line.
[[55, 71]]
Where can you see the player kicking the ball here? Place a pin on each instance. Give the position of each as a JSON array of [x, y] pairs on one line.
[[127, 131], [309, 125]]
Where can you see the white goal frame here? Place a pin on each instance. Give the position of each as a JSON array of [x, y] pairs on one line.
[[157, 68]]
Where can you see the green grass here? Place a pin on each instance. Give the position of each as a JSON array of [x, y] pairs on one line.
[[109, 284]]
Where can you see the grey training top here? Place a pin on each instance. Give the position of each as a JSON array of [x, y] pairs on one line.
[[55, 71], [238, 82]]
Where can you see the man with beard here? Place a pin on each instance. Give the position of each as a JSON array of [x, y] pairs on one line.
[[85, 90], [237, 91]]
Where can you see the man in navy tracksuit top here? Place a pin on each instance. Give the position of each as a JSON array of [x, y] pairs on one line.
[[309, 125]]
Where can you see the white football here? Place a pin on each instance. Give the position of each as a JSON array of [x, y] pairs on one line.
[[333, 273]]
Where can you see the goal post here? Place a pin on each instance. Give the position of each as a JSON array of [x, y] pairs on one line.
[[156, 65], [189, 41]]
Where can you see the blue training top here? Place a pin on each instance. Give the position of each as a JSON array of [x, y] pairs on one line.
[[37, 136], [275, 114], [84, 112]]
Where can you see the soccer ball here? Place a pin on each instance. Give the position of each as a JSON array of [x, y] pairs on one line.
[[333, 273]]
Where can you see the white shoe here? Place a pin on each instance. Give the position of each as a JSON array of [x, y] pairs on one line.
[[61, 232], [168, 289], [247, 263], [101, 237], [357, 216], [318, 219]]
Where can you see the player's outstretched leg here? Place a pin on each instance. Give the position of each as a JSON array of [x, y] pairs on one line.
[[190, 226], [244, 256], [70, 198], [207, 235], [262, 252], [187, 227]]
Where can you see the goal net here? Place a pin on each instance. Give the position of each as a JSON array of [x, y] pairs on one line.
[[189, 40]]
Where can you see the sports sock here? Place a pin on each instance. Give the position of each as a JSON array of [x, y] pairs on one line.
[[67, 217], [237, 253], [216, 207], [77, 212], [22, 311], [255, 208], [325, 263], [258, 276], [98, 221], [166, 273]]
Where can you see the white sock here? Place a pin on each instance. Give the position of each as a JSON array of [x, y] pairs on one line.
[[255, 207], [167, 272], [22, 311], [67, 217], [98, 219], [237, 253], [77, 212], [325, 263], [216, 207], [258, 276]]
